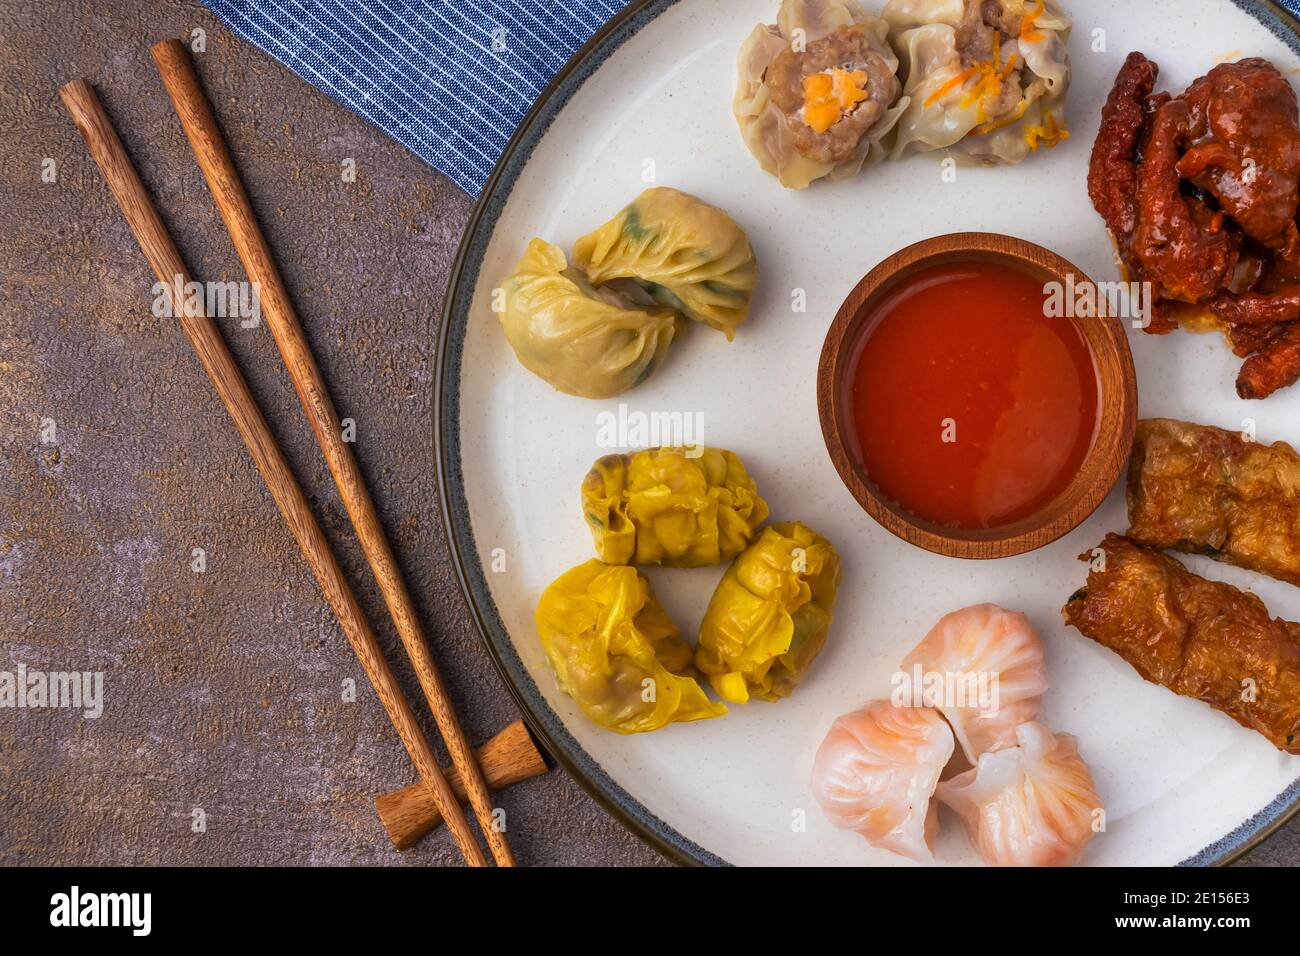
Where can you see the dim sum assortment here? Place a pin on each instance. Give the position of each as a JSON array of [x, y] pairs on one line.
[[1200, 192], [616, 653], [604, 633], [831, 88], [602, 325], [876, 772], [681, 507], [977, 677], [770, 615]]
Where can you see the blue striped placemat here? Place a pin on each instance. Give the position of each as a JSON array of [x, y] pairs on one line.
[[450, 79]]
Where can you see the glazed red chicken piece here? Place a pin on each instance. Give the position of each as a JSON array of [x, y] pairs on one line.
[[1180, 244], [1244, 148]]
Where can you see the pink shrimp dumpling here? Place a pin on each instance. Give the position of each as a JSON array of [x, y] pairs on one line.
[[1030, 805], [983, 668], [876, 772]]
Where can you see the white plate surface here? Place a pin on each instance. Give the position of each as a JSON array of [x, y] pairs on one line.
[[1176, 775]]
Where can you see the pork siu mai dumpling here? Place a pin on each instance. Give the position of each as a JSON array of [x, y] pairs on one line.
[[681, 507], [818, 91], [985, 79], [876, 771], [584, 341], [1030, 805], [685, 254], [770, 614], [998, 674], [616, 653]]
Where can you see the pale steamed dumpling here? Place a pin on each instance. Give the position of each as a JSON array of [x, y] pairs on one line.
[[986, 79], [686, 254], [583, 340], [876, 771], [1034, 804], [989, 648], [818, 91]]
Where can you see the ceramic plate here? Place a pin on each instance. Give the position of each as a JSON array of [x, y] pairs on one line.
[[650, 100]]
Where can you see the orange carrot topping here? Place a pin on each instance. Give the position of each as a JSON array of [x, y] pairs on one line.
[[828, 96], [1048, 134], [950, 85], [1027, 30]]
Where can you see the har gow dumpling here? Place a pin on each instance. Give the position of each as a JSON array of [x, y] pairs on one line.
[[686, 254], [876, 772], [615, 651], [986, 79], [982, 647], [582, 340], [769, 615], [818, 91], [1034, 804], [681, 507]]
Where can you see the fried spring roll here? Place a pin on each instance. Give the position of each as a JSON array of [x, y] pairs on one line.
[[1203, 490], [1202, 639]]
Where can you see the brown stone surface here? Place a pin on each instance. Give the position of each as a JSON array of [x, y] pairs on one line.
[[223, 689]]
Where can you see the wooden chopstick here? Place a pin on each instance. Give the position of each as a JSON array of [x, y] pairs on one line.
[[156, 244], [509, 757], [182, 83]]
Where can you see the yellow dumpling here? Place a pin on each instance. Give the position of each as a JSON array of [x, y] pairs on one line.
[[584, 341], [680, 507], [770, 614], [686, 254], [616, 653]]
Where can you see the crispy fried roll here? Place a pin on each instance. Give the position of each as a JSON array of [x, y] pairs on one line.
[[1204, 490], [1202, 639]]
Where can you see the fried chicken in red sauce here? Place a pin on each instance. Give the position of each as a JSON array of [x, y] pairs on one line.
[[1277, 366], [1245, 148], [1180, 245], [1201, 193], [1259, 308], [1112, 174]]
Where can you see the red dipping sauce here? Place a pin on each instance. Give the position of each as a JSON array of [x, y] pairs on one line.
[[971, 408]]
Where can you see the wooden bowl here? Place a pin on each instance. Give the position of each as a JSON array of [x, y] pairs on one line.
[[1116, 395]]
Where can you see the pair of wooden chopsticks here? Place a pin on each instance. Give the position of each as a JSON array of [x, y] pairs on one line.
[[209, 148]]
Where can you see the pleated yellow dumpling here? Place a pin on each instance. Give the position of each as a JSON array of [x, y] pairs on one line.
[[770, 614], [681, 507], [616, 653]]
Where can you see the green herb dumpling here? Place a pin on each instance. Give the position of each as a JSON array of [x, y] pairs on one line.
[[585, 341], [681, 507], [770, 614], [616, 653], [686, 254]]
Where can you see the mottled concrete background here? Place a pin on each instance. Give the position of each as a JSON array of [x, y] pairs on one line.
[[223, 688]]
